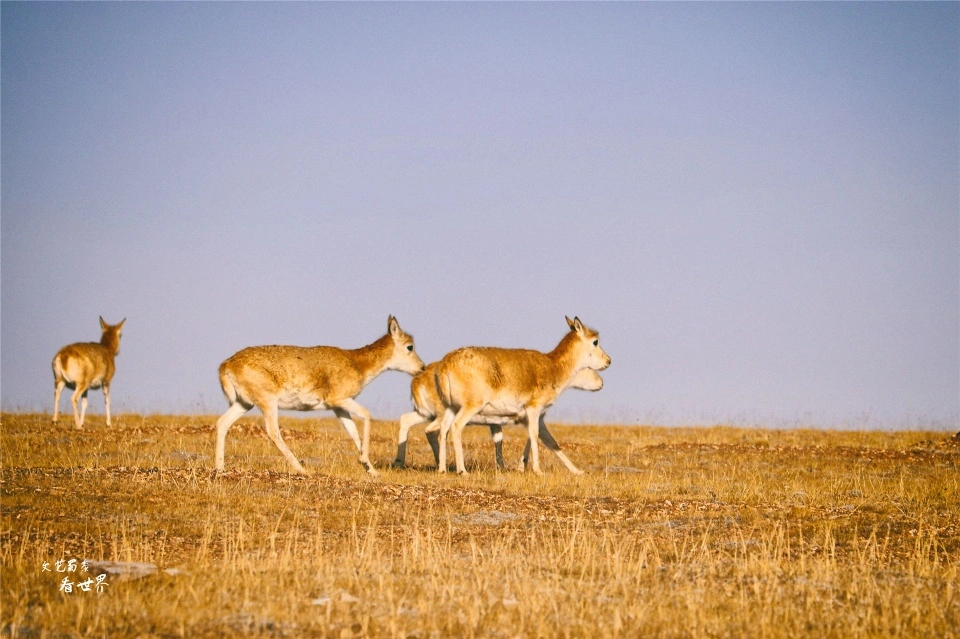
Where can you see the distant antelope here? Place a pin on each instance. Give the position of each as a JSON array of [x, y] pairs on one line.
[[429, 408], [511, 381], [83, 366], [310, 378]]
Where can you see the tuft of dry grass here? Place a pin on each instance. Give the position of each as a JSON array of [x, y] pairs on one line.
[[673, 532]]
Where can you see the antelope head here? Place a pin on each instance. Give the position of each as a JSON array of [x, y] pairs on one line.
[[111, 335], [590, 353], [404, 358]]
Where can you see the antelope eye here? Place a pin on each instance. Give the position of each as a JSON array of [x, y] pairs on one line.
[[409, 347], [595, 342]]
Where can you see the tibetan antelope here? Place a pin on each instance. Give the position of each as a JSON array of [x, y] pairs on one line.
[[428, 408], [84, 366], [310, 378], [511, 381]]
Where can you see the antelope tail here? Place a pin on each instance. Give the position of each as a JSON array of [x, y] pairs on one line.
[[443, 386], [229, 388]]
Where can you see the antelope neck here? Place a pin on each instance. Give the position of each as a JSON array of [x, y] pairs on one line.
[[373, 358], [564, 356]]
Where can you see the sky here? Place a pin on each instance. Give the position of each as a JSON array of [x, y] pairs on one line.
[[757, 205]]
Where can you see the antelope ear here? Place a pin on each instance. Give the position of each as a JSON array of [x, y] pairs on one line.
[[569, 322], [103, 325], [576, 325], [393, 326], [120, 325]]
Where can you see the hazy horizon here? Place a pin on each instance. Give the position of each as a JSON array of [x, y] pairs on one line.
[[757, 205]]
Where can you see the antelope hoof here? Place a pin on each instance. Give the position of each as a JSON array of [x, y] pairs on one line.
[[298, 468], [398, 464]]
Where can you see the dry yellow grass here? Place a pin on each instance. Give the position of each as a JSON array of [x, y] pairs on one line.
[[687, 532]]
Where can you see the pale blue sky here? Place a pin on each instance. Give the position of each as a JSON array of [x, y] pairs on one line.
[[756, 205]]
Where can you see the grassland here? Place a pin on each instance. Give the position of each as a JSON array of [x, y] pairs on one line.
[[692, 532]]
